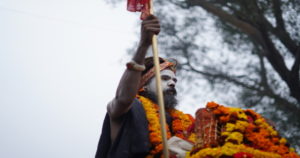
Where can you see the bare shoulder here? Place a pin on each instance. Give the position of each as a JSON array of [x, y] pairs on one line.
[[116, 110], [111, 109], [115, 120]]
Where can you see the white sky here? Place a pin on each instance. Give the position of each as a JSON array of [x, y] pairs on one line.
[[60, 63]]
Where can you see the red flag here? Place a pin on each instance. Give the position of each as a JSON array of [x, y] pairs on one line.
[[139, 6]]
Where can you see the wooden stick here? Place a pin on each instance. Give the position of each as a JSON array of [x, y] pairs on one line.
[[159, 92]]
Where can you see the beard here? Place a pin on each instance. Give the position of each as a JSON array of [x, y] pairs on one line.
[[170, 99]]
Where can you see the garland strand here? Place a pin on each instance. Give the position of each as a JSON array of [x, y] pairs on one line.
[[244, 134], [182, 125]]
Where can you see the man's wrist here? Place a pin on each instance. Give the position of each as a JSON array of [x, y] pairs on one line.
[[145, 43]]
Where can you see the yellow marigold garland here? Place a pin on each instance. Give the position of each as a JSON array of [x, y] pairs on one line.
[[240, 125], [229, 149], [180, 125]]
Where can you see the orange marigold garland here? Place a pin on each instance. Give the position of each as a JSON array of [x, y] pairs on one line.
[[244, 134], [181, 125]]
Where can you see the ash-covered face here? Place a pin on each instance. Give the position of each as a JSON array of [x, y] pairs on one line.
[[168, 82]]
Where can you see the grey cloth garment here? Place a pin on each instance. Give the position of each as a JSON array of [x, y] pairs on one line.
[[132, 140]]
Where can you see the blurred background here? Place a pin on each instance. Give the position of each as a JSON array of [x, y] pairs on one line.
[[60, 63]]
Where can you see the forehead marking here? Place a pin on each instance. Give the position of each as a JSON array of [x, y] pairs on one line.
[[168, 73]]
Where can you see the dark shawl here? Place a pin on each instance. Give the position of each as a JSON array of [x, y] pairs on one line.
[[132, 140]]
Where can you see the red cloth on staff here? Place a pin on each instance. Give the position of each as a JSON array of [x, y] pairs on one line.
[[139, 6]]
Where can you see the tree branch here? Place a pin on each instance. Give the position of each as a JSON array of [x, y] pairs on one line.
[[279, 31], [294, 80], [278, 14], [282, 103], [245, 27], [259, 37], [295, 67], [263, 73]]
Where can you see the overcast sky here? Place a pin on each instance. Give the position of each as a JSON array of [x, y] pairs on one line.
[[60, 63]]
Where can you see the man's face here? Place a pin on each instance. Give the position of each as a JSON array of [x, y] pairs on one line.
[[168, 82]]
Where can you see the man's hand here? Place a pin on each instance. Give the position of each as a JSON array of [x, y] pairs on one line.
[[150, 26]]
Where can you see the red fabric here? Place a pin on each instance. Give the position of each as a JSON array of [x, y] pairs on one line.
[[242, 155], [139, 6], [191, 128]]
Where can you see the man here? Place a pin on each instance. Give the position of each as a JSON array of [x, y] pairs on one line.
[[131, 127]]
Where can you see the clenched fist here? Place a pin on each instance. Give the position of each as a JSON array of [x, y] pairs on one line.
[[150, 26]]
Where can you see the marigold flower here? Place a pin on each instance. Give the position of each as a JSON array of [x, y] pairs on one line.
[[230, 127], [241, 125], [181, 122], [282, 141], [224, 119], [212, 105], [235, 136]]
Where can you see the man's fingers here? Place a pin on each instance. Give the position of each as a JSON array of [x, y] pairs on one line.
[[155, 30], [154, 21], [152, 25], [151, 17]]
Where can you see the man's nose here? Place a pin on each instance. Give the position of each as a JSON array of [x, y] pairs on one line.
[[171, 84]]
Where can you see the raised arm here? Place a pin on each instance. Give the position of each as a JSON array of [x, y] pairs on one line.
[[128, 86]]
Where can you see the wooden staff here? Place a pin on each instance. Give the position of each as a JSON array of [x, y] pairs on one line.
[[159, 91]]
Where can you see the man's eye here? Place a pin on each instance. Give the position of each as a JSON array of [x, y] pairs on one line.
[[165, 78], [175, 80]]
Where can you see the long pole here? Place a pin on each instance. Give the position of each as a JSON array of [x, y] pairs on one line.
[[159, 91]]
